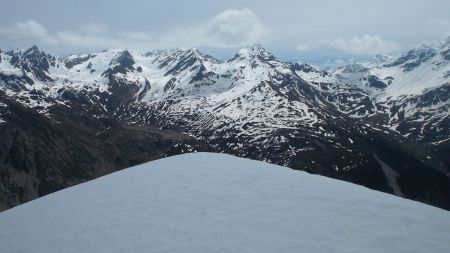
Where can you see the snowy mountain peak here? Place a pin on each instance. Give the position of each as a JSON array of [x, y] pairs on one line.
[[178, 53], [32, 50], [308, 68], [37, 56], [252, 52], [414, 57], [197, 54], [122, 62], [194, 51], [123, 58], [446, 42], [257, 48], [33, 62], [380, 59], [354, 68]]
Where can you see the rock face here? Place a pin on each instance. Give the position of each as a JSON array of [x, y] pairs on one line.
[[348, 123], [41, 155]]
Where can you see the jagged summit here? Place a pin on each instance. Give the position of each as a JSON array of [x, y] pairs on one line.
[[32, 49], [354, 68], [256, 49], [122, 62], [253, 52], [199, 55], [414, 57], [446, 42], [123, 58], [249, 52]]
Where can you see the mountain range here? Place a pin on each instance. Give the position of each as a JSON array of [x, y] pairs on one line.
[[383, 124]]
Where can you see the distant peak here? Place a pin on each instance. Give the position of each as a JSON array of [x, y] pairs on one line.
[[257, 47], [125, 52], [253, 52], [172, 52], [123, 57], [446, 42], [197, 54], [32, 49], [193, 50], [354, 68]]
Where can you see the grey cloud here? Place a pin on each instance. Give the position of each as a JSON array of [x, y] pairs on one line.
[[292, 29], [230, 28], [357, 45]]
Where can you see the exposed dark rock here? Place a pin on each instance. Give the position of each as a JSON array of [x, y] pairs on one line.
[[78, 60], [375, 82], [413, 58], [170, 84], [39, 156], [122, 63], [33, 61], [354, 68], [446, 54], [306, 68]]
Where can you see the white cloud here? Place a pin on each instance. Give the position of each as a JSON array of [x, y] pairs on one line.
[[440, 26], [364, 45], [94, 28], [304, 47], [233, 28], [78, 39], [230, 28], [26, 29], [356, 45]]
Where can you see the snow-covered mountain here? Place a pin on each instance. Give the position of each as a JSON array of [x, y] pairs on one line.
[[409, 93], [384, 125], [205, 202]]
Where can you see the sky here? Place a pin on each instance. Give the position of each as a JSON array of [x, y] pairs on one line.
[[295, 30]]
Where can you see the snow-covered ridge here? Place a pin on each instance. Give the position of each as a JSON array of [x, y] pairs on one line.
[[176, 68], [204, 83], [206, 202], [408, 92]]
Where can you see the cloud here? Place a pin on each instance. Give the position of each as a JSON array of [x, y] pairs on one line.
[[94, 28], [364, 45], [230, 28], [356, 45], [439, 25], [304, 47], [26, 29]]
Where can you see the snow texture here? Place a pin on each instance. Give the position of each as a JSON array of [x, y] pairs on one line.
[[205, 202]]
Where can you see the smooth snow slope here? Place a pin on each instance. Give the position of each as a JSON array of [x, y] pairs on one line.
[[219, 203]]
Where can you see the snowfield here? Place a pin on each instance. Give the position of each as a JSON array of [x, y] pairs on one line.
[[204, 202]]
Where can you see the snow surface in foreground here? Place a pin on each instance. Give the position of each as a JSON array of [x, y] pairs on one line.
[[219, 203]]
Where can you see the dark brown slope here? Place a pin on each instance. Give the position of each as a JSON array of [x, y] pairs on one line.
[[39, 155]]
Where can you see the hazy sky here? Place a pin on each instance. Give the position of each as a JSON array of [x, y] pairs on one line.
[[292, 29]]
